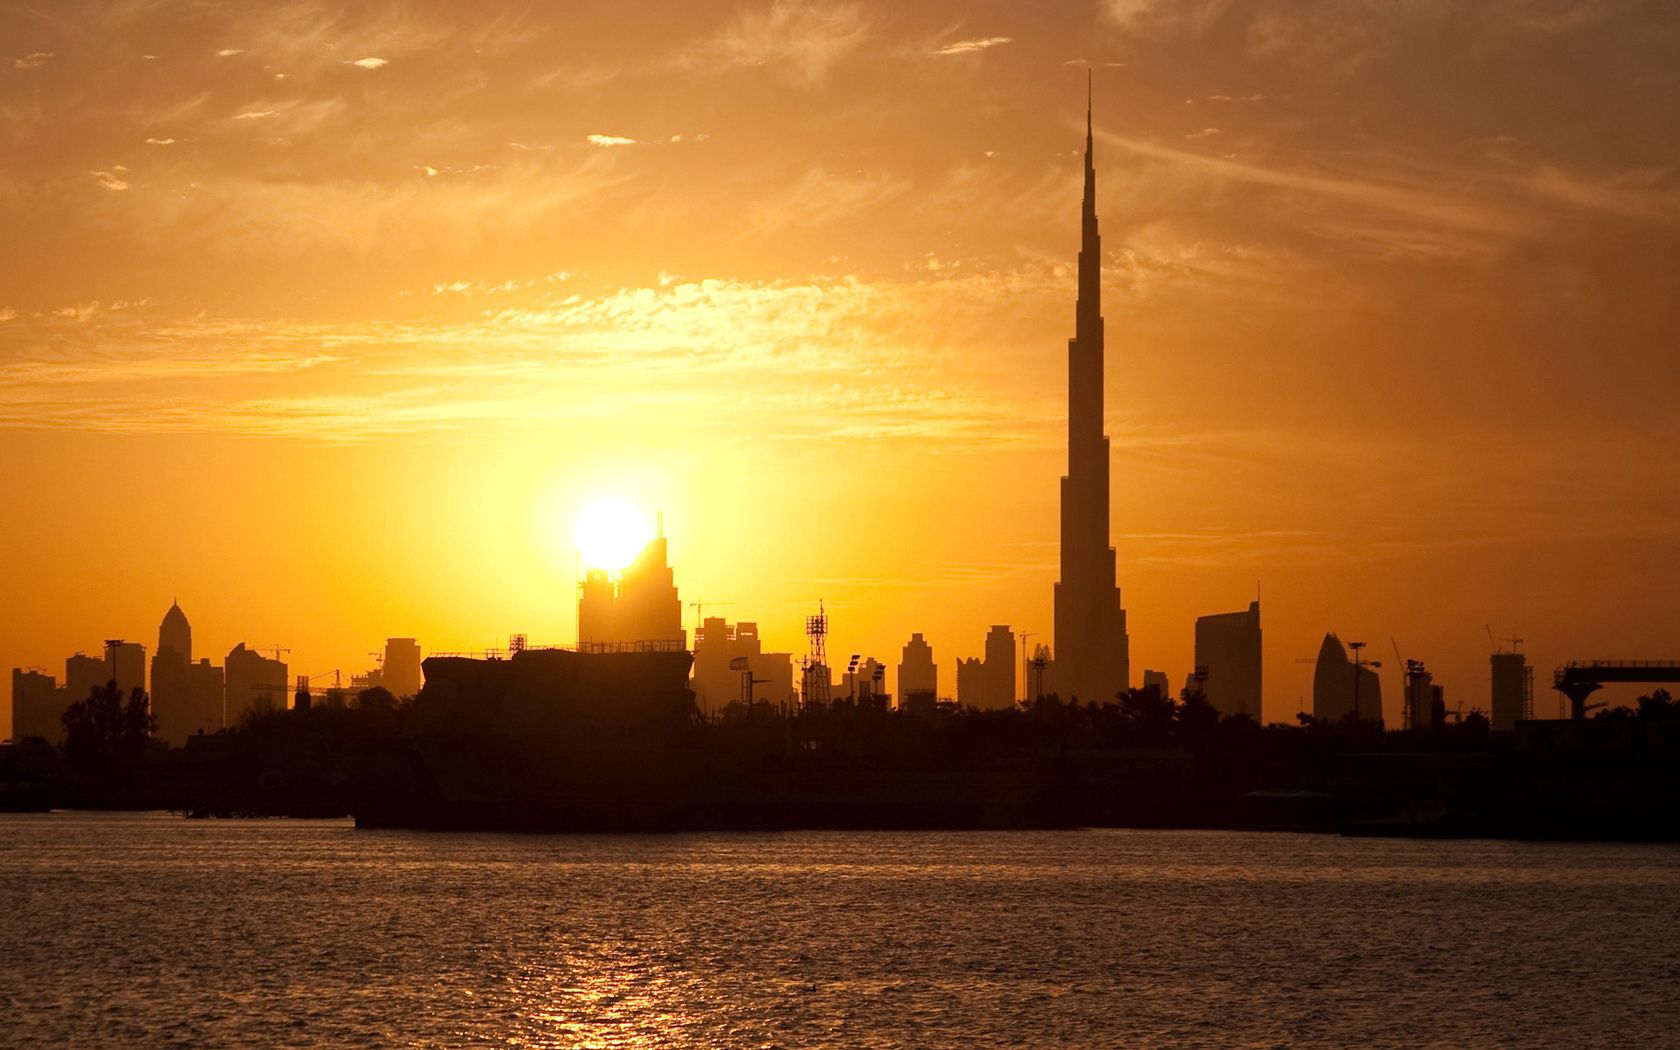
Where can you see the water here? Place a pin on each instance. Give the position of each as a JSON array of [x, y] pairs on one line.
[[146, 930]]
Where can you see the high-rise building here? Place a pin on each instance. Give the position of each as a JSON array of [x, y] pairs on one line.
[[971, 688], [83, 674], [725, 655], [1418, 696], [1228, 659], [641, 610], [250, 676], [1338, 691], [999, 688], [1092, 651], [129, 661], [37, 705], [1159, 681], [400, 671], [122, 662], [1513, 690], [918, 675], [205, 698], [169, 677], [175, 633]]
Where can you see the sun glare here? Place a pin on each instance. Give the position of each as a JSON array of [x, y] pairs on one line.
[[610, 533]]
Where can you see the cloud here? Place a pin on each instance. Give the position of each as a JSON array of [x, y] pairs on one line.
[[820, 197], [110, 180], [610, 140], [7, 314], [255, 114], [965, 47], [368, 63], [229, 52], [803, 39], [1160, 18], [815, 359], [32, 61], [161, 142]]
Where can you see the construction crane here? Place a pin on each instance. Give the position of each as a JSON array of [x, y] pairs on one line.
[[1515, 643], [699, 608], [1025, 689], [1405, 704]]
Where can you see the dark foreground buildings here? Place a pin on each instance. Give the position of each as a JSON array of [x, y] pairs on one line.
[[1091, 648]]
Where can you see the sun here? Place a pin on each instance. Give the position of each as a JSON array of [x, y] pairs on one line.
[[610, 533]]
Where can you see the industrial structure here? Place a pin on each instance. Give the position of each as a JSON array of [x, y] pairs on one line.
[[1578, 681]]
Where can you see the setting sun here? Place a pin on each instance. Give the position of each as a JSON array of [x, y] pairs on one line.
[[610, 533]]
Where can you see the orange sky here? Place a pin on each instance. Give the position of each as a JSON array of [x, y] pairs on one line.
[[326, 321]]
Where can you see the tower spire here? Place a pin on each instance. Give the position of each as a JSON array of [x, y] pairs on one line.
[[1092, 658]]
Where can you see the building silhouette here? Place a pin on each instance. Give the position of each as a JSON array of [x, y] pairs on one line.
[[37, 705], [971, 678], [725, 655], [1513, 690], [918, 675], [170, 701], [1228, 661], [83, 674], [1091, 647], [866, 682], [1158, 681], [1420, 698], [999, 688], [251, 676], [126, 664], [640, 609], [1337, 689], [400, 670]]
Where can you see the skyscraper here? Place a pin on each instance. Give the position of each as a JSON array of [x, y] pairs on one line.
[[918, 675], [641, 610], [1228, 653], [1091, 657], [1513, 690], [1340, 687], [176, 633], [175, 720], [1000, 667]]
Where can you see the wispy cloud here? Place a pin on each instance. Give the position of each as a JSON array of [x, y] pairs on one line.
[[610, 140], [33, 61], [834, 359], [801, 38], [368, 63], [819, 197], [110, 179], [229, 52], [967, 47]]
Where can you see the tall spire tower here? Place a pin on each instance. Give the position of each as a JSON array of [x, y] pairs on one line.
[[1092, 652]]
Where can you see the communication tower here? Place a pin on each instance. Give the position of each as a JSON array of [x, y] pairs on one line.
[[815, 687]]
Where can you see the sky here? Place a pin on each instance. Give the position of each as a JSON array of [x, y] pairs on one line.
[[327, 321]]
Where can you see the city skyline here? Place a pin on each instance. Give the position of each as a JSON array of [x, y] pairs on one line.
[[248, 419]]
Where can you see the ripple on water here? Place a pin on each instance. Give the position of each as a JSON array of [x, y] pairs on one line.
[[144, 930]]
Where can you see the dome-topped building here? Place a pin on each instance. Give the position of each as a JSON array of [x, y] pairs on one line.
[[176, 633]]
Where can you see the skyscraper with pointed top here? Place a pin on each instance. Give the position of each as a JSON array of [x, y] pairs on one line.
[[1091, 648]]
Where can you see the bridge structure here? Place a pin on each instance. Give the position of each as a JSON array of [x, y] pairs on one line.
[[1579, 680]]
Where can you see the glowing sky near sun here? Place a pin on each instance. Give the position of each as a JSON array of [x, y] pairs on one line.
[[330, 319]]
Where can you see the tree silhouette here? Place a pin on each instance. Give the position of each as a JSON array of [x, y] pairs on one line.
[[105, 733]]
